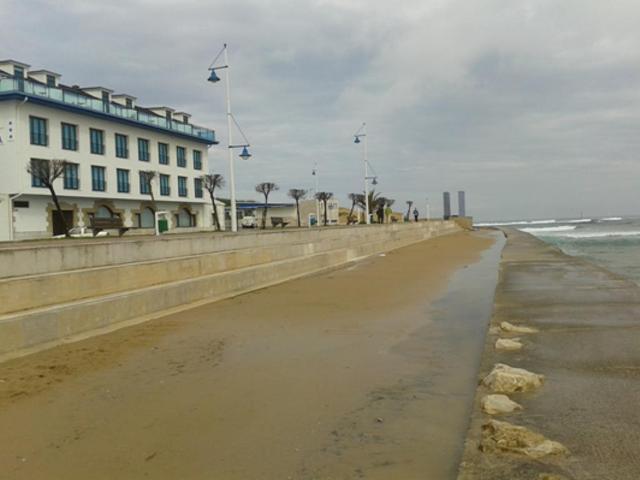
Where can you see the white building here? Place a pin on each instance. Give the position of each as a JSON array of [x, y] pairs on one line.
[[107, 140]]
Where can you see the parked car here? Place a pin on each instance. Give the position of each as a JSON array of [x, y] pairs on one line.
[[82, 232], [248, 221]]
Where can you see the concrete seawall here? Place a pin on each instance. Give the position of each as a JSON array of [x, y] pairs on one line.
[[58, 291], [583, 337]]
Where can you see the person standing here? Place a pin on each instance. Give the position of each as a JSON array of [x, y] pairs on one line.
[[415, 214], [387, 214], [380, 213]]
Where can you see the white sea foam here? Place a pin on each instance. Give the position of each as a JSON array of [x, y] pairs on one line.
[[611, 219], [624, 233], [540, 222], [535, 230], [580, 220], [515, 222]]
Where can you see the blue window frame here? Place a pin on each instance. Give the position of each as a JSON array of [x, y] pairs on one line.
[[182, 186], [71, 178], [145, 183], [123, 180], [97, 141], [181, 156], [39, 169], [38, 130], [69, 136], [197, 159], [197, 187], [51, 81], [143, 150], [98, 182], [122, 146], [165, 187], [163, 153]]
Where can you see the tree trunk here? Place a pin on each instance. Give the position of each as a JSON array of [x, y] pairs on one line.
[[298, 211], [59, 210], [325, 213], [216, 221], [353, 205], [264, 211]]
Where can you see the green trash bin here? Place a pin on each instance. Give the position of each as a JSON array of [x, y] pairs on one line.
[[163, 225]]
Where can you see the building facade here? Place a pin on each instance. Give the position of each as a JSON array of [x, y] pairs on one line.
[[121, 160]]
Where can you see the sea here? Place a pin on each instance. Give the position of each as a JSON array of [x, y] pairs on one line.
[[611, 242]]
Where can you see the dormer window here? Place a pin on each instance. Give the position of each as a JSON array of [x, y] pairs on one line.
[[168, 115], [129, 103], [18, 72], [51, 81]]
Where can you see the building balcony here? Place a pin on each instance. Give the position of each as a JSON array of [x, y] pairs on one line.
[[77, 102]]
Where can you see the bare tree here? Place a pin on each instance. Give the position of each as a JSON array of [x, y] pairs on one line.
[[46, 172], [409, 203], [324, 197], [265, 189], [147, 177], [212, 181], [297, 194]]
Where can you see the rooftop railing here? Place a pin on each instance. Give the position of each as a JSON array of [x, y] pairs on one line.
[[10, 85]]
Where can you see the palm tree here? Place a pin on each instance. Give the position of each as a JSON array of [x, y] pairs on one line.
[[324, 197], [373, 200], [211, 181], [265, 189], [297, 194], [46, 172], [355, 198], [409, 203]]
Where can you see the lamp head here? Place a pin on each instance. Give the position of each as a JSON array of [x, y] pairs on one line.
[[213, 77], [245, 155], [375, 181], [357, 140]]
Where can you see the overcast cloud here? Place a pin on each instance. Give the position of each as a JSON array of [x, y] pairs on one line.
[[532, 107]]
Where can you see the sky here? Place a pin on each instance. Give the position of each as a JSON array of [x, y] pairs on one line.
[[531, 107]]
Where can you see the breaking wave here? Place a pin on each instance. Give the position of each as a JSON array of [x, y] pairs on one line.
[[610, 219], [515, 222], [580, 220], [627, 233], [533, 231]]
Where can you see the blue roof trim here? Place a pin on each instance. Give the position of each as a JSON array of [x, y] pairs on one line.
[[104, 116], [248, 206]]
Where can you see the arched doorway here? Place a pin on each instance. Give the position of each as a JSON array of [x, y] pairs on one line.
[[185, 218], [103, 212], [146, 218]]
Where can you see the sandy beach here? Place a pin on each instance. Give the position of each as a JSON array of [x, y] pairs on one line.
[[355, 373]]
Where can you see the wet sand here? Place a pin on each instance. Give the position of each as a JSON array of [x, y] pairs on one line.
[[354, 373], [587, 347]]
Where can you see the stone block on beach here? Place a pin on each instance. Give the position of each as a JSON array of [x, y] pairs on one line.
[[511, 328], [505, 437], [508, 344], [496, 404], [506, 379]]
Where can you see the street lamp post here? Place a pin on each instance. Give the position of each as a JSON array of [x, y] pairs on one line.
[[245, 155], [362, 133]]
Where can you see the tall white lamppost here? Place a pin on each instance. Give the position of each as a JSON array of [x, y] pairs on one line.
[[362, 133], [245, 155]]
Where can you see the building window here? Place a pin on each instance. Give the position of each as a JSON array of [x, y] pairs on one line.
[[182, 186], [97, 141], [197, 187], [69, 137], [71, 180], [98, 183], [105, 101], [123, 180], [129, 103], [185, 218], [197, 159], [39, 169], [51, 81], [163, 153], [18, 72], [165, 187], [145, 183], [181, 155], [146, 218], [143, 150], [122, 146], [38, 131]]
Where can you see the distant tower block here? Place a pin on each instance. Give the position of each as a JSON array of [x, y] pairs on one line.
[[462, 210], [446, 198]]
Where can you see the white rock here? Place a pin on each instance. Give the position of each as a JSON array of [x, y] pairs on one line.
[[509, 327], [506, 379], [506, 437], [497, 403], [508, 344]]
